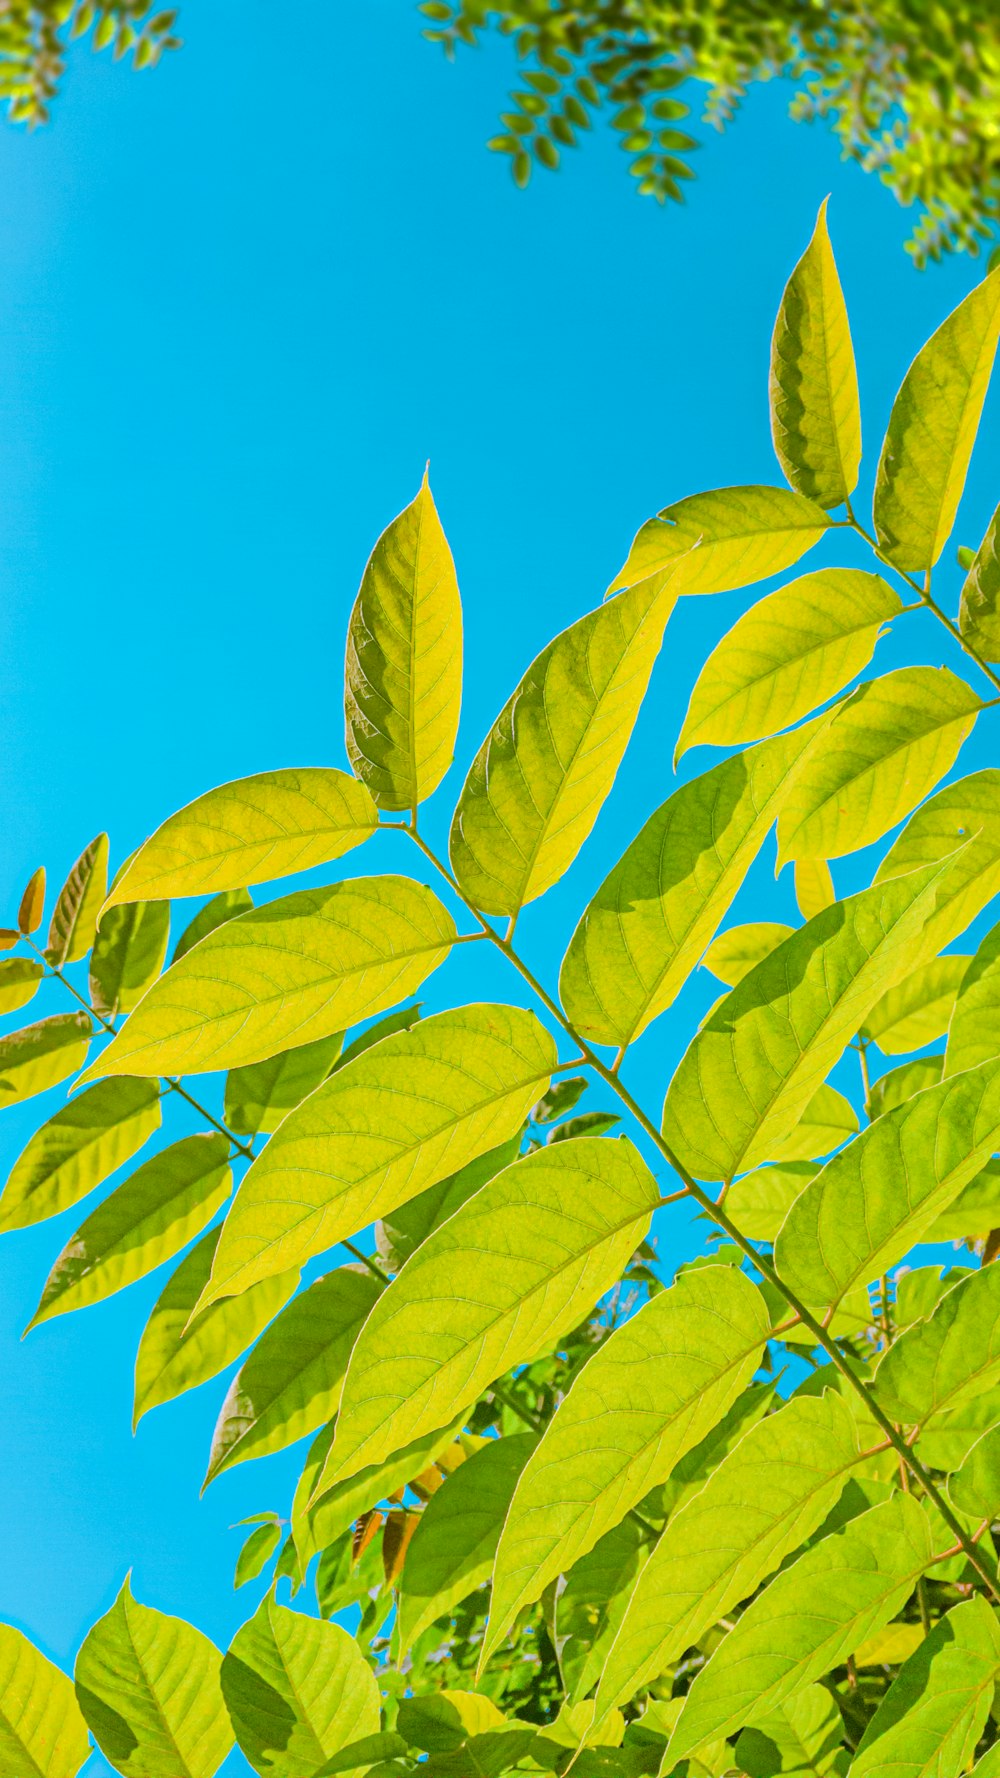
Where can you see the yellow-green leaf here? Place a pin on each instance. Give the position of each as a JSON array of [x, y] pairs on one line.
[[814, 888], [979, 608], [77, 1148], [298, 1691], [892, 741], [41, 1055], [965, 814], [19, 979], [29, 913], [974, 1030], [974, 1212], [260, 1097], [828, 1120], [933, 1714], [215, 913], [729, 537], [146, 1220], [74, 917], [733, 954], [948, 1360], [901, 1084], [299, 968], [919, 1009], [403, 1115], [758, 1202], [251, 831], [932, 429], [403, 681], [128, 955], [42, 1734], [791, 651], [538, 782], [815, 410], [317, 1523]]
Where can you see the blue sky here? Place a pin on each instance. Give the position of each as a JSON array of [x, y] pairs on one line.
[[242, 300]]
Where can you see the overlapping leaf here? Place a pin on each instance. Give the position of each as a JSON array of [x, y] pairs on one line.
[[828, 1120], [19, 979], [258, 1098], [944, 1362], [733, 954], [77, 1148], [590, 1607], [318, 1522], [814, 889], [965, 814], [298, 1690], [919, 1010], [974, 1032], [42, 1055], [730, 537], [42, 1734], [979, 609], [214, 913], [933, 1714], [815, 410], [128, 955]]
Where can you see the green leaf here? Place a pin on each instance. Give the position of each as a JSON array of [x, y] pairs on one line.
[[537, 784], [128, 955], [77, 1148], [252, 831], [177, 1353], [974, 1212], [298, 1690], [788, 654], [877, 1198], [862, 1575], [301, 967], [146, 1220], [814, 889], [535, 1249], [885, 749], [400, 1232], [730, 538], [592, 1603], [828, 1120], [403, 1019], [932, 429], [42, 1734], [929, 1721], [978, 613], [74, 917], [965, 814], [762, 1502], [975, 1486], [733, 954], [446, 1719], [41, 1055], [148, 1686], [257, 1552], [951, 1434], [19, 979], [650, 1393], [292, 1380], [758, 1202], [974, 1032], [946, 1361], [801, 1739], [395, 1121], [903, 1083], [656, 911], [317, 1525], [750, 1072], [815, 411], [215, 913], [258, 1098], [455, 1542], [919, 1010], [403, 676]]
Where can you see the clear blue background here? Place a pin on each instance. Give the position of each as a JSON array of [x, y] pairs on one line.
[[243, 298]]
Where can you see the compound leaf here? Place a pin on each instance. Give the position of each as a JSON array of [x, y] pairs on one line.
[[78, 1147], [815, 408]]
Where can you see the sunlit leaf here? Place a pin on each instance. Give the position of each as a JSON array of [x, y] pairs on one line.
[[74, 917], [966, 814], [814, 889], [42, 1734], [920, 1008], [730, 537], [19, 979], [79, 1146], [215, 913], [400, 1232], [590, 1607], [317, 1525], [257, 1552], [805, 1735], [402, 1019], [815, 411], [128, 955], [258, 1098], [298, 1690], [946, 1361], [903, 1083], [975, 1487], [29, 913], [41, 1055], [733, 954], [929, 1721], [974, 1031], [828, 1120], [758, 1202], [974, 1212], [979, 610]]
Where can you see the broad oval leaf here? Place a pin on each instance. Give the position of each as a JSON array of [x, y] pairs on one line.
[[19, 979], [787, 655], [291, 1382], [656, 911], [650, 1393], [919, 1010], [128, 955], [146, 1220], [298, 1690], [758, 1202], [934, 1712], [765, 1498], [149, 1688], [42, 1733], [885, 749], [965, 814], [974, 1031], [251, 831], [42, 1055], [299, 968], [947, 1360], [535, 1249], [861, 1575], [260, 1097], [733, 954], [405, 1114], [74, 917], [979, 609], [879, 1196], [815, 408], [176, 1352], [215, 913], [752, 1069], [77, 1148], [537, 784], [730, 537], [932, 429]]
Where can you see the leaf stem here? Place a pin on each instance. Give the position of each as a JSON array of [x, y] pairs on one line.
[[366, 1259], [926, 599]]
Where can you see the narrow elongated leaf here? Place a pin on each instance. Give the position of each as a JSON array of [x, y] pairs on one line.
[[42, 1734], [74, 917], [965, 814], [656, 911], [215, 913], [946, 1361], [252, 831], [805, 1735], [403, 677], [752, 1069], [146, 1220], [766, 1497], [879, 1196], [649, 1394], [808, 1620], [257, 1552], [455, 1542], [929, 1721], [298, 1690], [733, 954], [401, 1117], [148, 1686], [175, 1353], [42, 1055], [537, 784], [814, 889], [128, 955], [258, 1098], [79, 1147], [815, 408], [292, 1380], [787, 655], [979, 610], [29, 913], [592, 1603], [535, 1249], [300, 968], [19, 979], [730, 537], [316, 1526], [892, 741], [974, 1032], [932, 429], [920, 1008]]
